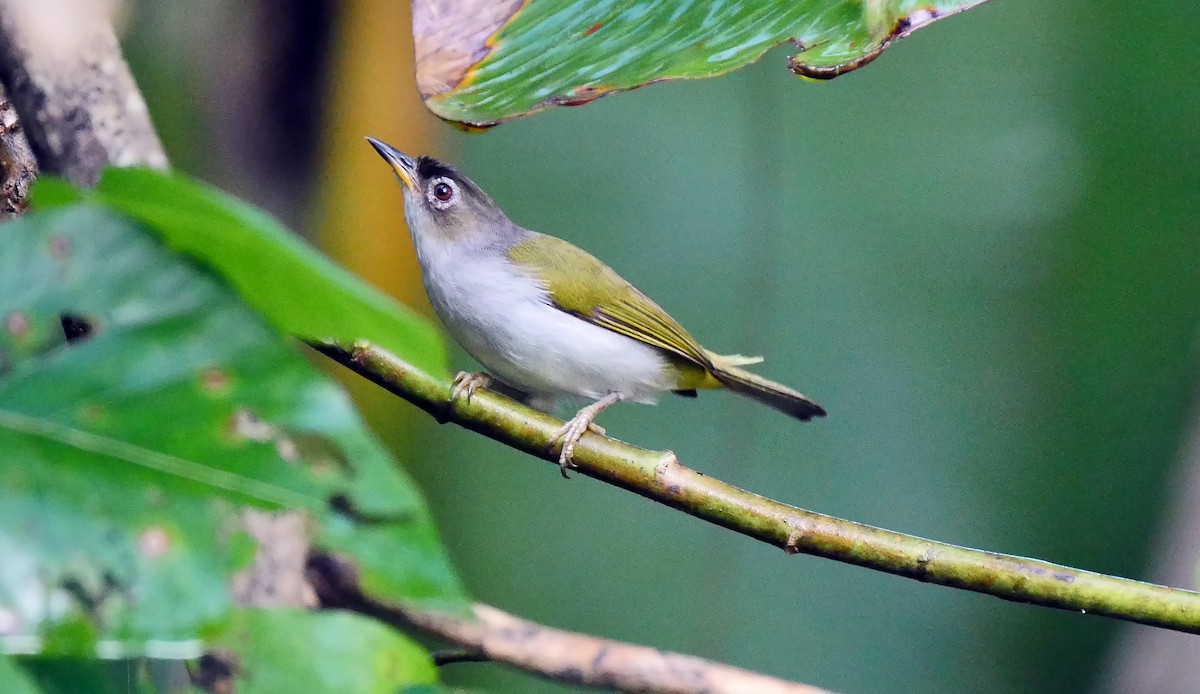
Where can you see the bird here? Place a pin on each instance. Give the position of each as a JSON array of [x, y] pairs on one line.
[[549, 320]]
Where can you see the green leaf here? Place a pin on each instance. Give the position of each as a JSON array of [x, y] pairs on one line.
[[285, 651], [13, 679], [49, 192], [78, 676], [299, 290], [481, 62], [142, 407]]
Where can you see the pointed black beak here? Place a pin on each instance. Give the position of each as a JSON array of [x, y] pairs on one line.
[[400, 162]]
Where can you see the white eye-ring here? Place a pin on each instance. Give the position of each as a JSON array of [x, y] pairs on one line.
[[442, 192]]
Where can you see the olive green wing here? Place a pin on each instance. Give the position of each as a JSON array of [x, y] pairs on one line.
[[584, 287]]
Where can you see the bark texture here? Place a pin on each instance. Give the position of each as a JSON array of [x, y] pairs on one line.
[[18, 165], [62, 66]]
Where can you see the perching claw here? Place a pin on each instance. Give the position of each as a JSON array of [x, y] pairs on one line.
[[468, 383], [573, 429]]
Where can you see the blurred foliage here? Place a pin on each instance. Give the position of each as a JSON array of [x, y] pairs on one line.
[[486, 61], [296, 288], [13, 680], [979, 254], [296, 651], [142, 405]]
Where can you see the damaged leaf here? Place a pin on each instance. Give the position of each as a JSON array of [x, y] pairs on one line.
[[480, 62], [143, 408]]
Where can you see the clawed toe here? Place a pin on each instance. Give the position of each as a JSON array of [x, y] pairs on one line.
[[466, 383], [570, 432]]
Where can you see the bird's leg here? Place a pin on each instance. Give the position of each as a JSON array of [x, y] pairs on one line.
[[570, 432], [467, 383], [546, 404]]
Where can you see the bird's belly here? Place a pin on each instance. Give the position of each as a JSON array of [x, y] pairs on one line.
[[540, 350]]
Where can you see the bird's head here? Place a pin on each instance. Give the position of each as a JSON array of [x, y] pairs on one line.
[[440, 203]]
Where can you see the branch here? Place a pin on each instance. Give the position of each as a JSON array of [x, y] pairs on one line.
[[577, 659], [658, 475], [62, 66]]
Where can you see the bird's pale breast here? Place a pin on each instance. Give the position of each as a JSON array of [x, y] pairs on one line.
[[503, 319]]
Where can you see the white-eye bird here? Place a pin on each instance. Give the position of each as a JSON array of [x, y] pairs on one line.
[[548, 319]]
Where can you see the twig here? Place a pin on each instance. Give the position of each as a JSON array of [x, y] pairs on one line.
[[62, 66], [576, 659], [659, 476]]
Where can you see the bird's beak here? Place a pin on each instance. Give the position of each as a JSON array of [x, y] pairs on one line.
[[400, 162]]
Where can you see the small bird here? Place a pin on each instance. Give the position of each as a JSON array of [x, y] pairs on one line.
[[548, 319]]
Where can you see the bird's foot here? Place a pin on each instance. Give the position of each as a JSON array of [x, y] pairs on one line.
[[572, 430], [466, 383]]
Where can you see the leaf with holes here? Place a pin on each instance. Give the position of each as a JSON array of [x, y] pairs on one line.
[[143, 408], [300, 291], [481, 62]]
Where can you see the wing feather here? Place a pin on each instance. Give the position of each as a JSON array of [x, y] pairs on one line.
[[586, 288]]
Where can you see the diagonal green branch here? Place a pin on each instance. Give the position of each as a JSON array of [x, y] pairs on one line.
[[659, 476]]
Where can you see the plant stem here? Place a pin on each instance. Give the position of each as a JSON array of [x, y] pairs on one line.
[[659, 476]]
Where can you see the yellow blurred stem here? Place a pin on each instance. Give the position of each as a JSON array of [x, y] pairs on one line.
[[358, 208]]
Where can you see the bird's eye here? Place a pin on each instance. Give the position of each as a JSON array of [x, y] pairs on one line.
[[442, 193]]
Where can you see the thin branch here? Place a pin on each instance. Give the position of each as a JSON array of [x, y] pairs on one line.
[[659, 476], [577, 659], [62, 66]]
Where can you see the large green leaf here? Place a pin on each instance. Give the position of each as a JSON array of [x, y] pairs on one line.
[[299, 290], [283, 651], [484, 61], [142, 407]]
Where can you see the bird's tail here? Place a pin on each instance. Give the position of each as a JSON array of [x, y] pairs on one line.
[[769, 393]]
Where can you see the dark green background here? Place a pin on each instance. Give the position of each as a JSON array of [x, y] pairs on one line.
[[979, 253]]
